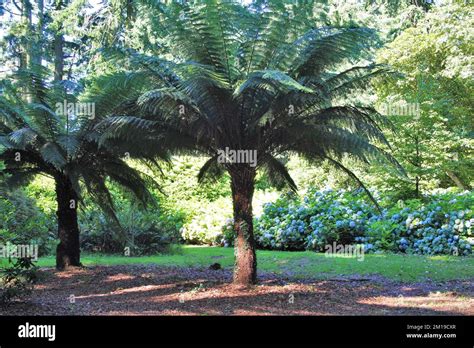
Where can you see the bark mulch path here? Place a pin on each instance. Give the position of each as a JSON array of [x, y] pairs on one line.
[[157, 290]]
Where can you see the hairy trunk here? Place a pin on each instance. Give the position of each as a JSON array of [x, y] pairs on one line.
[[242, 183], [67, 252]]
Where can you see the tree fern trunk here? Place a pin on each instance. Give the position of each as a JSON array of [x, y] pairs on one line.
[[67, 252], [242, 183]]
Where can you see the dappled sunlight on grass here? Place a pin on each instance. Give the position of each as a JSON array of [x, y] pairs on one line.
[[444, 257]]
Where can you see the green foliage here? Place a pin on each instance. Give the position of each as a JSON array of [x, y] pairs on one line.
[[143, 232], [205, 221], [435, 146], [180, 186], [22, 222], [380, 232], [17, 280], [25, 221]]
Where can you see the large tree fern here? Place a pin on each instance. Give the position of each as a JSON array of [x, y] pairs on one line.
[[261, 80]]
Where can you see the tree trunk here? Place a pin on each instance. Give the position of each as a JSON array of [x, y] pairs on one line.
[[457, 181], [418, 165], [417, 187], [242, 184], [58, 57], [39, 41], [58, 50], [67, 252], [27, 47]]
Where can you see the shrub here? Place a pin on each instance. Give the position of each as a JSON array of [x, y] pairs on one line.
[[205, 221], [228, 233], [205, 228], [22, 222], [336, 216], [320, 219], [440, 224], [143, 232], [283, 224], [437, 224], [17, 280], [210, 230]]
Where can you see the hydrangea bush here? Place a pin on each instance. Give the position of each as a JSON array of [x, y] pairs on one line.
[[437, 224]]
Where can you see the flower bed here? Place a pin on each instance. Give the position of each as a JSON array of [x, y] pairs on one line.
[[437, 224]]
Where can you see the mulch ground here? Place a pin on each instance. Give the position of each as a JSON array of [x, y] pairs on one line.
[[156, 290]]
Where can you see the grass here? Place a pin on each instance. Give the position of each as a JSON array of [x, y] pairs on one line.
[[305, 264]]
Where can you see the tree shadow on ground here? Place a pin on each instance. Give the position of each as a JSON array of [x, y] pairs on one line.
[[151, 290]]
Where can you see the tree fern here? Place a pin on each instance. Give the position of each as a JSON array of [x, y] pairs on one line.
[[268, 81]]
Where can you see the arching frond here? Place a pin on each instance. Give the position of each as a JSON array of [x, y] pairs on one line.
[[277, 173], [351, 174], [325, 48], [212, 170], [271, 81]]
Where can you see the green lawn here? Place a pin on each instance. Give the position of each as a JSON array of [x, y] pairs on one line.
[[304, 264]]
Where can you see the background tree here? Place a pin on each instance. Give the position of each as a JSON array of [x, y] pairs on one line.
[[435, 59]]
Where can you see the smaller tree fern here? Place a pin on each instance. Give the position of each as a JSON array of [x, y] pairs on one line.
[[41, 133]]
